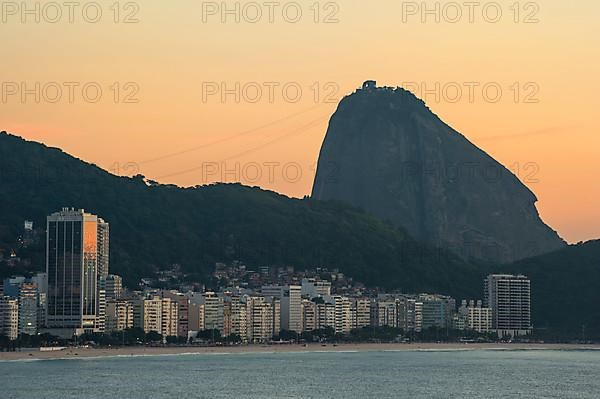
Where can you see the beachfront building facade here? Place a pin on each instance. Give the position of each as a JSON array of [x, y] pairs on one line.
[[9, 317], [72, 254], [509, 297], [156, 314], [119, 315]]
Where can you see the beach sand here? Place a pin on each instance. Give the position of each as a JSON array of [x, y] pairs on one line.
[[80, 352]]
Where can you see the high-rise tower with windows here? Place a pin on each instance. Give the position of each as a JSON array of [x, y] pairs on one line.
[[77, 243], [509, 297]]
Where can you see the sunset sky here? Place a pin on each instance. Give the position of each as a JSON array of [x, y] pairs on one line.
[[166, 124]]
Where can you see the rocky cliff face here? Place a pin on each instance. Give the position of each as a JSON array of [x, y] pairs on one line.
[[386, 152]]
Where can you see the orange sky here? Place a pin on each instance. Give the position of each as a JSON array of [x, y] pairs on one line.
[[177, 132]]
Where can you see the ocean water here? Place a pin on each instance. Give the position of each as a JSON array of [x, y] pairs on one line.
[[401, 374]]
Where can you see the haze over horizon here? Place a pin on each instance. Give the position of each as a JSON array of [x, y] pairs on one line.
[[175, 59]]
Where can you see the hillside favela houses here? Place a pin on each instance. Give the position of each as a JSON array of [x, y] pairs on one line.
[[78, 295]]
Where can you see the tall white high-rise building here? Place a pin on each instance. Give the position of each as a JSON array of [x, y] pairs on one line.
[[343, 317], [103, 248], [262, 318], [101, 315], [509, 297]]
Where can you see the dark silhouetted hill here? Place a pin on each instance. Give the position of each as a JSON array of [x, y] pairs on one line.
[[566, 290], [387, 153], [154, 226]]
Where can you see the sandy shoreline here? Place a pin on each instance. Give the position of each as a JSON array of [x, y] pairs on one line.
[[74, 353]]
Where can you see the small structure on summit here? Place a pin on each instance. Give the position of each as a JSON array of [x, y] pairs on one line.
[[369, 85]]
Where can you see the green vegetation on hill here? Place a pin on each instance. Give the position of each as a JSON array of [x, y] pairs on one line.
[[154, 226]]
